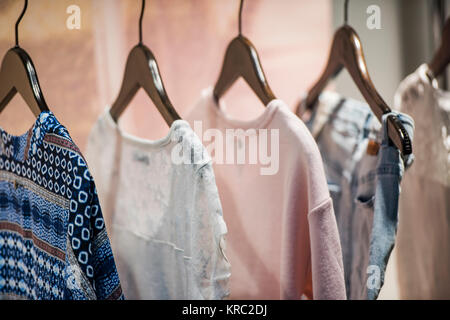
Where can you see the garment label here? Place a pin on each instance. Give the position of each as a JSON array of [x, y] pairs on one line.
[[373, 147], [141, 158]]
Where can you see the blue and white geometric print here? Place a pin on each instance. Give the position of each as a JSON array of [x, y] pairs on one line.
[[53, 241]]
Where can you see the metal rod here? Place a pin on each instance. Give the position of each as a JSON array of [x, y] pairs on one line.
[[346, 11], [140, 21], [18, 21], [240, 17]]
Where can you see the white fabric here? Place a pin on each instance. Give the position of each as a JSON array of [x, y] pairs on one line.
[[164, 219], [424, 223]]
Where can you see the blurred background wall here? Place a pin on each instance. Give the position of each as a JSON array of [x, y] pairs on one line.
[[64, 60], [81, 70], [189, 38]]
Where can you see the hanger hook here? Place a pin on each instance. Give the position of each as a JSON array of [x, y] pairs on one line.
[[240, 17], [346, 11], [140, 21], [18, 21]]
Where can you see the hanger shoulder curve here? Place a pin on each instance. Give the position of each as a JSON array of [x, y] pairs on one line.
[[332, 68], [355, 63], [242, 60], [152, 83], [442, 56], [346, 51], [130, 83], [142, 71], [18, 75]]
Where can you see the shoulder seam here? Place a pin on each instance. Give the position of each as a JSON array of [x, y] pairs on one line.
[[63, 143]]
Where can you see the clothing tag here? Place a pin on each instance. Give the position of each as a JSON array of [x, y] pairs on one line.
[[373, 147], [141, 158]]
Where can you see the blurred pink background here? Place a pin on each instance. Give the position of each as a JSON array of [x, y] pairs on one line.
[[80, 71]]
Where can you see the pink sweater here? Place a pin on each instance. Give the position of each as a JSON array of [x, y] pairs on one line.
[[282, 237]]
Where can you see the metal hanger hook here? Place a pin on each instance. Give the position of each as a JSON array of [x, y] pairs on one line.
[[346, 12], [240, 17], [18, 21], [140, 21]]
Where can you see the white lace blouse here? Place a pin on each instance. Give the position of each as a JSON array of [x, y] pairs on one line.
[[162, 212]]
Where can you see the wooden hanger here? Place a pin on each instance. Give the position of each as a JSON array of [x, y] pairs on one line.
[[142, 71], [242, 60], [18, 75], [442, 56], [346, 51]]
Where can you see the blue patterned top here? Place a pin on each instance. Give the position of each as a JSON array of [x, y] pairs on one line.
[[53, 241]]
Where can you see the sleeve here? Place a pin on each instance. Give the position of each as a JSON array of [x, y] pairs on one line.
[[211, 265], [313, 225], [89, 246], [326, 255]]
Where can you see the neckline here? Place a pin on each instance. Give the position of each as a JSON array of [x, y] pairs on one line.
[[428, 77], [219, 107], [20, 147], [142, 142]]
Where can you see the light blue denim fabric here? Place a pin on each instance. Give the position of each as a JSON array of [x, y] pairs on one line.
[[364, 187], [390, 169]]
